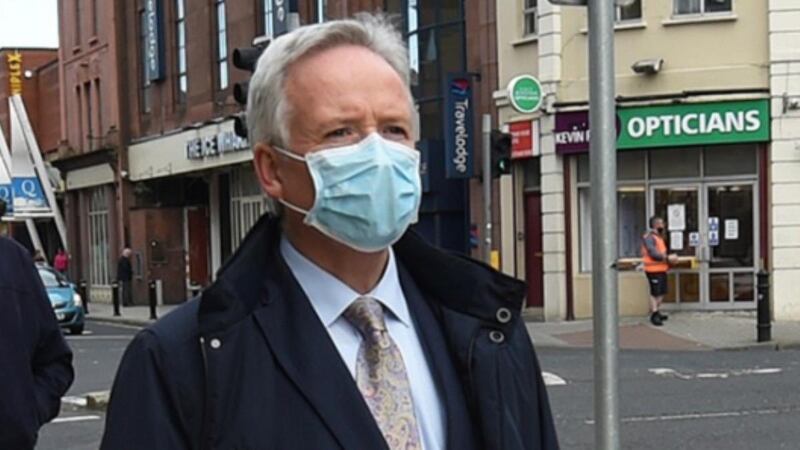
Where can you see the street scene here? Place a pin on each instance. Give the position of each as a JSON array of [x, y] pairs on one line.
[[343, 223]]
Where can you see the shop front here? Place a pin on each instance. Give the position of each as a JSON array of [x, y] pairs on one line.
[[701, 167]]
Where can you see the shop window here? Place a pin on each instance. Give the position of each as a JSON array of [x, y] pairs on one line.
[[532, 175], [631, 223], [695, 7], [730, 160], [675, 163], [630, 13], [630, 166], [99, 270], [530, 17]]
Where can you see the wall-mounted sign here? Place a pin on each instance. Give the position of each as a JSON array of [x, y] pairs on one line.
[[154, 40], [525, 94], [671, 125], [14, 73], [458, 134], [524, 139], [694, 124], [215, 145]]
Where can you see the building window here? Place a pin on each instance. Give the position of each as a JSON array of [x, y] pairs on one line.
[[95, 18], [100, 274], [322, 8], [530, 17], [87, 90], [222, 44], [145, 84], [694, 7], [248, 203], [180, 33], [268, 18], [630, 13], [78, 14]]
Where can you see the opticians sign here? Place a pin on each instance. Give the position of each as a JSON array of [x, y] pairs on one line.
[[694, 124], [525, 94], [671, 126]]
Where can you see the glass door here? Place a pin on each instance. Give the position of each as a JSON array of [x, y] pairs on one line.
[[679, 206], [730, 250]]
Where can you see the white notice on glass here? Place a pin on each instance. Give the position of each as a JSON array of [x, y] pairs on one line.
[[676, 217], [676, 240], [732, 229]]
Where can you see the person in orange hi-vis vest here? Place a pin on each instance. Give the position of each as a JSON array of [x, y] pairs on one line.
[[656, 265]]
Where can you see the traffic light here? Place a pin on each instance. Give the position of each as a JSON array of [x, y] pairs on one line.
[[244, 59], [501, 153]]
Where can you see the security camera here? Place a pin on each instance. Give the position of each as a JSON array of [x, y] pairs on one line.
[[648, 66]]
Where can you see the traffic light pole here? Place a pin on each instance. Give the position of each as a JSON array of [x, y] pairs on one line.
[[486, 128], [603, 161]]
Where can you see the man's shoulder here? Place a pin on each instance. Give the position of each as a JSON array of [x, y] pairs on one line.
[[174, 332], [14, 262]]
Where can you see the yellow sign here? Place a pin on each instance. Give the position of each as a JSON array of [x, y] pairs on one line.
[[495, 260], [15, 72]]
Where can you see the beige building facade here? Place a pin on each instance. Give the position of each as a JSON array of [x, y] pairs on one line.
[[708, 138]]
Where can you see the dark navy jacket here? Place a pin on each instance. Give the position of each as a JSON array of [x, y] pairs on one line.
[[250, 366], [35, 362]]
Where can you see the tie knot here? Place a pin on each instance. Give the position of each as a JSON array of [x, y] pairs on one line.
[[366, 314]]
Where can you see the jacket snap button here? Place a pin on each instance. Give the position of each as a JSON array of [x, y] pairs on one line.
[[503, 315], [497, 337], [215, 343]]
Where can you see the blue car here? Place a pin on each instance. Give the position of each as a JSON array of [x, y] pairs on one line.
[[67, 303]]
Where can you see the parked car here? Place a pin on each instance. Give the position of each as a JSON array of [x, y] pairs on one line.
[[67, 303]]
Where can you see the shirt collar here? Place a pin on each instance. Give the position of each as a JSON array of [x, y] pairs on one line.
[[330, 297]]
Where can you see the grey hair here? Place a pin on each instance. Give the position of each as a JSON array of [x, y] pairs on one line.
[[267, 108]]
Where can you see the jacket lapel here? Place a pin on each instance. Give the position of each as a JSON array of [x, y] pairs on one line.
[[304, 349]]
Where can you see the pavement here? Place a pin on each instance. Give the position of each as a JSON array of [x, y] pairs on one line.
[[728, 330], [683, 331]]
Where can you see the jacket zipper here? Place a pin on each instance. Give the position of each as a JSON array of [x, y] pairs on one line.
[[206, 428]]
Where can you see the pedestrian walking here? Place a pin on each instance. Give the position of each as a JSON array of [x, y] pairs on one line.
[[125, 276], [656, 262], [333, 326], [61, 262], [35, 361]]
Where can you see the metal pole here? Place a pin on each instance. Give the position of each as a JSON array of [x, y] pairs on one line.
[[487, 187], [603, 160], [763, 317]]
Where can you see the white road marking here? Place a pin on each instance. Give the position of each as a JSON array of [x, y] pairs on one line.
[[667, 372], [551, 379], [72, 400], [75, 419], [107, 337], [711, 415]]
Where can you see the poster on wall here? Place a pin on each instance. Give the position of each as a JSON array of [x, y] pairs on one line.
[[694, 239], [676, 217], [676, 240], [713, 224], [731, 229], [713, 238]]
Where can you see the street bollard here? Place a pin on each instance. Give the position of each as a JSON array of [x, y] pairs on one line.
[[115, 297], [152, 298], [83, 291], [764, 321]]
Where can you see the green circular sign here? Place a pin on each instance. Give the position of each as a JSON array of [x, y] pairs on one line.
[[525, 94]]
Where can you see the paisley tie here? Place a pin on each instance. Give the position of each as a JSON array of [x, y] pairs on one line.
[[381, 376]]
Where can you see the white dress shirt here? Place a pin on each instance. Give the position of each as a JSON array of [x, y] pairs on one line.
[[330, 298]]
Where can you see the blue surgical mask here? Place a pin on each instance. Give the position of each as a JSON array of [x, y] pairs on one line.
[[366, 194]]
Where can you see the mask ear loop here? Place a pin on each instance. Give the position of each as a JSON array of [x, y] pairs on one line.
[[296, 157]]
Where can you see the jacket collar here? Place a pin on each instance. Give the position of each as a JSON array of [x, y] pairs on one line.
[[459, 283]]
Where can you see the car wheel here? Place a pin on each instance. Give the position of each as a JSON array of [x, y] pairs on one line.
[[78, 329]]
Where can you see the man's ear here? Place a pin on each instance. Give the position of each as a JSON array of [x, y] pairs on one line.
[[266, 164]]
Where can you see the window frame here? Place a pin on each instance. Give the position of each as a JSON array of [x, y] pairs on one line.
[[144, 86], [618, 20], [703, 10], [98, 217], [527, 11], [267, 16], [181, 53], [222, 56]]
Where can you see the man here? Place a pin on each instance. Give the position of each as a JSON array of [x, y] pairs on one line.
[[656, 265], [34, 358], [125, 276], [332, 327]]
